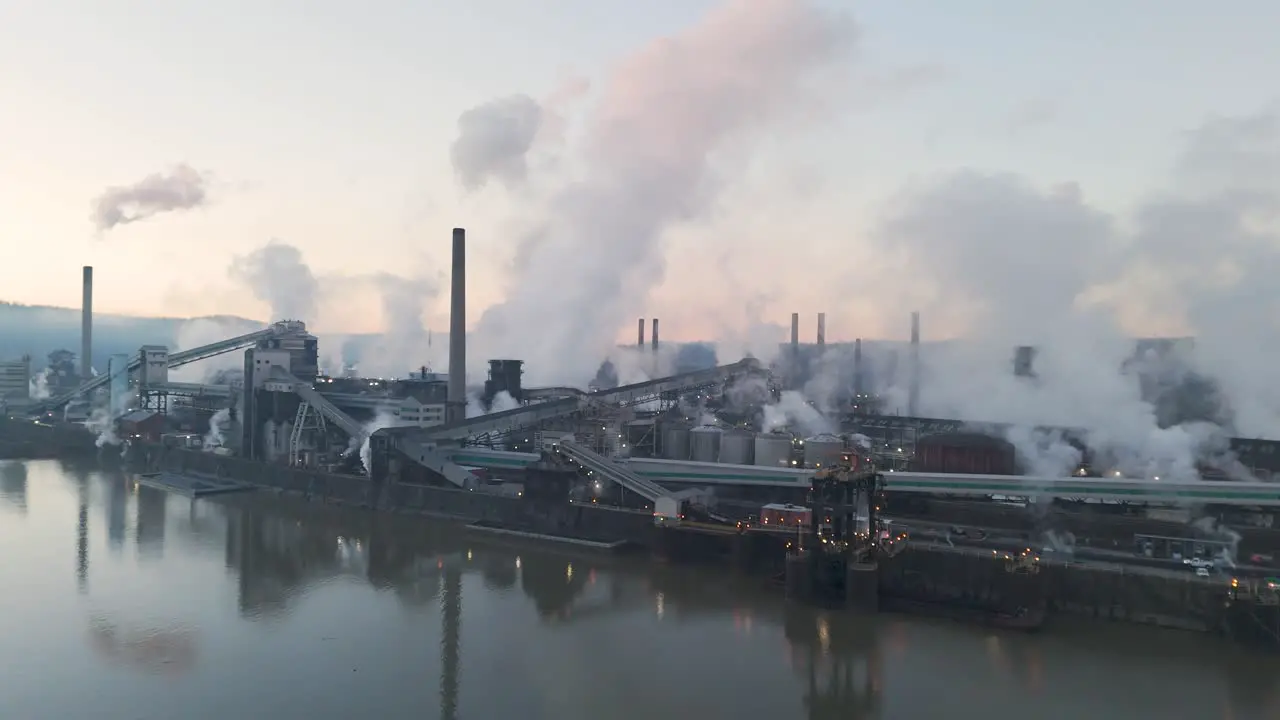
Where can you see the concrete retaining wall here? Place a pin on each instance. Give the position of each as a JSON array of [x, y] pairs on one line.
[[580, 521]]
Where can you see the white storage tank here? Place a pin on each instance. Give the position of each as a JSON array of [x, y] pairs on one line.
[[675, 442], [737, 448], [704, 444], [822, 451], [773, 449]]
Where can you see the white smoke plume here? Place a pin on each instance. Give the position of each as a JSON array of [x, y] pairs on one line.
[[646, 166], [182, 188], [101, 425], [38, 385], [493, 140], [1000, 263], [793, 411], [502, 402], [219, 425], [382, 419], [278, 276]]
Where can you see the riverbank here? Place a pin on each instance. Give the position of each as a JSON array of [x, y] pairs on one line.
[[921, 578]]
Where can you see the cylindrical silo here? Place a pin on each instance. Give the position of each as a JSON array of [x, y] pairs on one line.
[[822, 451], [737, 448], [675, 442], [704, 444], [773, 449]]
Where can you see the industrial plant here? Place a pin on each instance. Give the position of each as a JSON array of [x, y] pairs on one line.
[[799, 458]]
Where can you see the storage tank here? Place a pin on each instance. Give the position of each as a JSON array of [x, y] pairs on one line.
[[773, 449], [675, 442], [822, 451], [704, 444], [737, 448]]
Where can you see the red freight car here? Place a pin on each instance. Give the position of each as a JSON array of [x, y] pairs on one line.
[[965, 452]]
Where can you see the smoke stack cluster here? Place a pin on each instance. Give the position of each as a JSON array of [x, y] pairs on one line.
[[1024, 358], [456, 408], [86, 325], [654, 324], [822, 330], [913, 396], [640, 334]]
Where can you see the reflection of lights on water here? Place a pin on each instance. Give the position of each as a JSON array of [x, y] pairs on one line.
[[824, 634], [468, 555], [568, 571], [517, 562], [662, 605]]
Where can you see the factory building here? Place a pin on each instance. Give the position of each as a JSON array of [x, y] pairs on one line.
[[145, 424], [412, 411], [303, 350], [15, 379]]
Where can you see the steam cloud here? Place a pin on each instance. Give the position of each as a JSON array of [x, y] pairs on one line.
[[277, 274], [646, 166], [493, 140], [182, 188], [999, 262]]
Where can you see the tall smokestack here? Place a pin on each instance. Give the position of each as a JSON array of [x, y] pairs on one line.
[[654, 332], [640, 335], [456, 408], [913, 397], [793, 357], [86, 325], [822, 330], [857, 369]]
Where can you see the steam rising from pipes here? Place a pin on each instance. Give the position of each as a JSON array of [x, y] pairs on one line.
[[646, 166], [182, 188], [219, 426]]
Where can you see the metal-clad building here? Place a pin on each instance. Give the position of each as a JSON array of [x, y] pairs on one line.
[[15, 379]]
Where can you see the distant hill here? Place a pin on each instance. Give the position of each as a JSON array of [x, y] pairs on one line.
[[37, 330]]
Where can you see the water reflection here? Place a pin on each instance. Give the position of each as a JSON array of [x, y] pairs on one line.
[[13, 484], [385, 616], [171, 649], [118, 489], [82, 534], [151, 518]]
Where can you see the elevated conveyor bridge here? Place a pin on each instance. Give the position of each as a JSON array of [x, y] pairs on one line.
[[533, 415], [612, 471], [175, 360], [432, 447], [678, 473]]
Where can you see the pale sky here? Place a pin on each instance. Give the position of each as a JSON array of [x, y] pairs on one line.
[[327, 125]]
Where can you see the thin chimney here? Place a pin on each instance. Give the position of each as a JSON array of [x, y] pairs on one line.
[[822, 330], [857, 368], [913, 397], [86, 326], [654, 331], [640, 334], [456, 408]]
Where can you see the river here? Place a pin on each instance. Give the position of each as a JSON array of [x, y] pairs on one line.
[[120, 601]]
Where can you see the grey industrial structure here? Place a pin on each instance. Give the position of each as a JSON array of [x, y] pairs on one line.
[[281, 409]]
